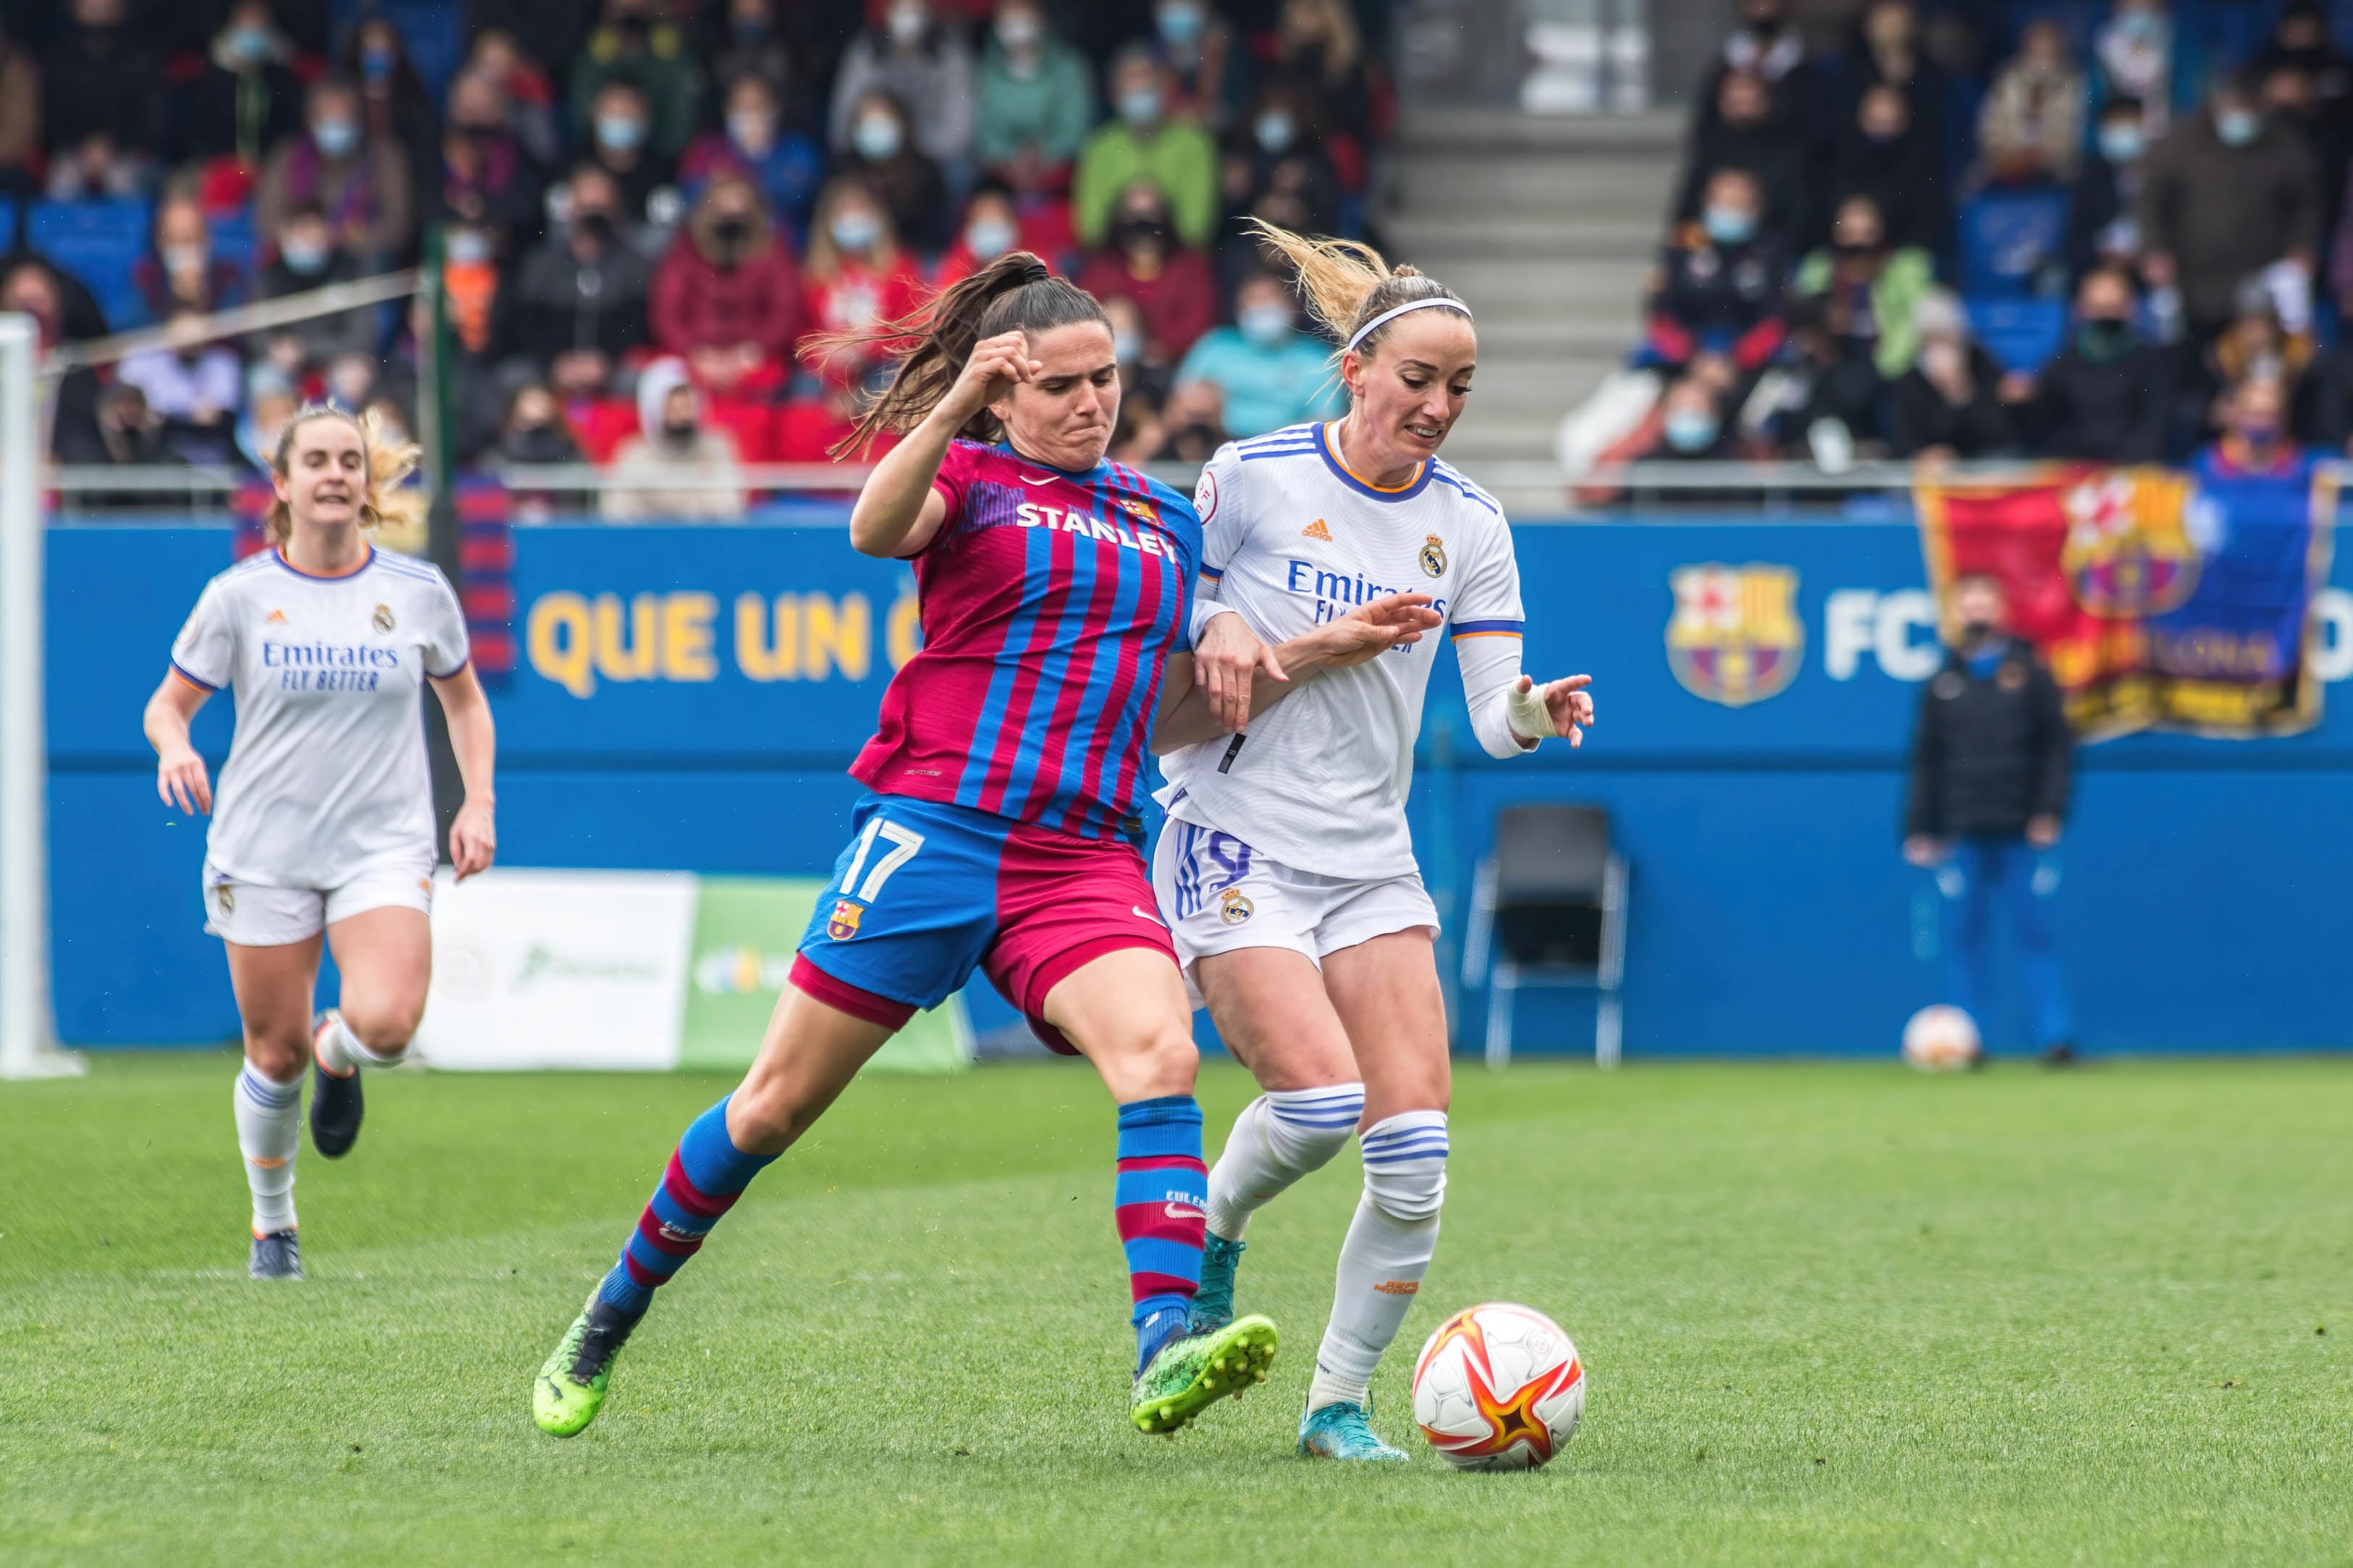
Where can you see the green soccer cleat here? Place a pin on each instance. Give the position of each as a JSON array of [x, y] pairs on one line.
[[570, 1388], [1213, 1303], [1195, 1371], [1343, 1431]]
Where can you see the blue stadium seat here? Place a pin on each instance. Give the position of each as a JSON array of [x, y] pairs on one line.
[[2021, 334], [97, 242], [2013, 243], [7, 225], [234, 239]]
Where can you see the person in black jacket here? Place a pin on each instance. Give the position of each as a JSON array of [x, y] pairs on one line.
[[2105, 396], [578, 302], [1992, 761], [1955, 400], [1717, 288]]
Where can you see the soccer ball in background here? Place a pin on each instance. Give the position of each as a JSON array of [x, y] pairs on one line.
[[1940, 1038], [1498, 1387]]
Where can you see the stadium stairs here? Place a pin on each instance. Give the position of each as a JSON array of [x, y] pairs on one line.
[[1547, 227]]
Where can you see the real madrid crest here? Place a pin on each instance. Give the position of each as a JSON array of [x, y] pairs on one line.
[[227, 896], [382, 618], [1433, 557], [1234, 907]]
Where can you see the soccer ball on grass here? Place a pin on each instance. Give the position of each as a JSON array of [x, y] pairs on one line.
[[1498, 1387], [1941, 1038]]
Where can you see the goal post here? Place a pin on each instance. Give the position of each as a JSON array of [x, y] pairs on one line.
[[27, 1025]]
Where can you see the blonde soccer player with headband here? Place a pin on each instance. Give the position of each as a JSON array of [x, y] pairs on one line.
[[1286, 870], [324, 817]]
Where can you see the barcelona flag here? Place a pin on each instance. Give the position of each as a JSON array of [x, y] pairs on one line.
[[2160, 599]]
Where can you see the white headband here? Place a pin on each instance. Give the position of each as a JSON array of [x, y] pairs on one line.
[[1386, 316]]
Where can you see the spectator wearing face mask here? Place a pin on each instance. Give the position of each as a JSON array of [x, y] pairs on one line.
[[246, 99], [909, 184], [1144, 143], [394, 104], [620, 144], [1138, 375], [1319, 55], [924, 66], [1746, 134], [102, 78], [361, 184], [487, 174], [854, 279], [755, 143], [1718, 285], [308, 258], [524, 89], [181, 270], [2106, 397], [769, 40], [635, 43], [1884, 154], [1873, 286], [2101, 226], [192, 386], [2030, 126], [1824, 401], [1036, 99], [2255, 344], [1191, 425], [1269, 373], [472, 279], [1953, 402], [1170, 282], [1275, 147], [2227, 194], [991, 226], [2254, 437], [727, 297], [1203, 63], [534, 431], [649, 478], [577, 302], [1886, 50]]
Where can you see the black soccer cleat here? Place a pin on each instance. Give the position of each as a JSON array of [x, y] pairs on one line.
[[277, 1255], [336, 1104]]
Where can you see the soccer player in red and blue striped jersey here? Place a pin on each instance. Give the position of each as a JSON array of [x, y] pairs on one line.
[[1000, 828]]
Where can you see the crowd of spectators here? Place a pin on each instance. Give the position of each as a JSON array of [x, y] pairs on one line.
[[2076, 232], [644, 211]]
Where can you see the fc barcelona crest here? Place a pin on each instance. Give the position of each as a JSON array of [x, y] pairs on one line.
[[1735, 636], [842, 924], [1144, 510]]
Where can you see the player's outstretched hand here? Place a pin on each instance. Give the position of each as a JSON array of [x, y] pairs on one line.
[[1560, 708], [1226, 664], [180, 780], [473, 839], [996, 364], [1395, 620]]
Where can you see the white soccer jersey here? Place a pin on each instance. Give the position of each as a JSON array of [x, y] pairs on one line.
[[1292, 539], [327, 772]]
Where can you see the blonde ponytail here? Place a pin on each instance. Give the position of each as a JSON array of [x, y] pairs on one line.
[[1346, 283], [382, 500]]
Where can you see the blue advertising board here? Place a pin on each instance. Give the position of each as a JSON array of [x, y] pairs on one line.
[[686, 699]]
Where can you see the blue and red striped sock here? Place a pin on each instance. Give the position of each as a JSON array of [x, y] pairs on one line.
[[1160, 1202], [707, 1173]]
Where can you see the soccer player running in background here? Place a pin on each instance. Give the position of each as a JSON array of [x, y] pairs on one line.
[[1286, 870], [1000, 825], [324, 820]]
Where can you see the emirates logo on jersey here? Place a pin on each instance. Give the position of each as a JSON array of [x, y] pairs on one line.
[[382, 619]]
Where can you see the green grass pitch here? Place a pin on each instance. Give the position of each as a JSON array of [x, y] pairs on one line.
[[1830, 1313]]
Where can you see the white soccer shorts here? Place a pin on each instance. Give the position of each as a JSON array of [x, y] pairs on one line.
[[1218, 894], [252, 915]]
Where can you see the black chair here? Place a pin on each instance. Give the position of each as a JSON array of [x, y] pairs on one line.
[[1549, 910]]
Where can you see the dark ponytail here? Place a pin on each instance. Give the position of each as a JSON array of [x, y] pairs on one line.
[[1016, 291]]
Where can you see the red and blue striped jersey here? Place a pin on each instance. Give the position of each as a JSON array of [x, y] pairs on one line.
[[1050, 603]]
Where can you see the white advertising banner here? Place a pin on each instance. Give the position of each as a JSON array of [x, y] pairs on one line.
[[558, 969]]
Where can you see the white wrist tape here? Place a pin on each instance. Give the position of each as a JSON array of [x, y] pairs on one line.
[[1526, 713]]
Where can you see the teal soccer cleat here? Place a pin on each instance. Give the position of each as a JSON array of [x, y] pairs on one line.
[[1343, 1431], [1213, 1303]]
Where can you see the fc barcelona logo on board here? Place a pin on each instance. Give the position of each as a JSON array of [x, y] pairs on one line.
[[843, 923], [1735, 636]]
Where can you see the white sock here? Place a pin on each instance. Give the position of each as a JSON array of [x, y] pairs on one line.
[[1387, 1251], [269, 1130], [344, 1050], [1277, 1139]]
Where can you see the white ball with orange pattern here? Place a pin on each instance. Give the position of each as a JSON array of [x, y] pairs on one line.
[[1498, 1387]]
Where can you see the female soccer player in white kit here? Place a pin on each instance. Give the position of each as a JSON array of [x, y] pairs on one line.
[[1286, 870], [326, 813]]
